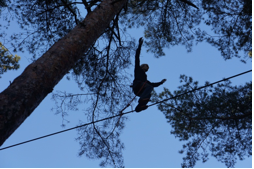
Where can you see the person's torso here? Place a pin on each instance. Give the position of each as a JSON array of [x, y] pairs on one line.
[[139, 74]]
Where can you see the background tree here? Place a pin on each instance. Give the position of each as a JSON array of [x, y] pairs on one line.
[[169, 23], [215, 120], [99, 66], [43, 74], [7, 60], [2, 4]]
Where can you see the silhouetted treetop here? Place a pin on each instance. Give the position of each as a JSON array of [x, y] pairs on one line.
[[214, 121]]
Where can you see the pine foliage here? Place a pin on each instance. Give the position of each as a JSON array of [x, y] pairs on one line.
[[214, 121]]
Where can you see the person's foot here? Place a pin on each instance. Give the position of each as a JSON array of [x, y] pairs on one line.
[[139, 108]]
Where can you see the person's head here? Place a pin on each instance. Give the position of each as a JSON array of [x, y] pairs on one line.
[[145, 67]]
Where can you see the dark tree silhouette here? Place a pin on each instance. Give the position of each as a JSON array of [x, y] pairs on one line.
[[215, 120], [39, 78], [173, 22]]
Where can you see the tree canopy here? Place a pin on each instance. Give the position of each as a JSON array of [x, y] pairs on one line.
[[214, 120], [176, 22], [171, 22], [100, 72], [7, 60]]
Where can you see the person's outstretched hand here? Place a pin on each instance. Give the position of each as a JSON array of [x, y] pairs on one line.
[[164, 80], [141, 40]]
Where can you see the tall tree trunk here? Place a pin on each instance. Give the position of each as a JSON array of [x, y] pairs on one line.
[[27, 91]]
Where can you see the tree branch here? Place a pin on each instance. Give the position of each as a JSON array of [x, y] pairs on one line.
[[88, 8], [225, 118]]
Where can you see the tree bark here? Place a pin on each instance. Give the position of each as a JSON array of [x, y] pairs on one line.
[[27, 91]]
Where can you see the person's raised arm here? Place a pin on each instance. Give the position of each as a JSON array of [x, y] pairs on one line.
[[137, 60]]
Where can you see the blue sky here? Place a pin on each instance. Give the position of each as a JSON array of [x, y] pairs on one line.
[[147, 138]]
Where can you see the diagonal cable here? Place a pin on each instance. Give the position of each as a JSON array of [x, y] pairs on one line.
[[120, 114]]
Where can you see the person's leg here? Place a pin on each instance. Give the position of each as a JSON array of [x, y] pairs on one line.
[[144, 98], [146, 93]]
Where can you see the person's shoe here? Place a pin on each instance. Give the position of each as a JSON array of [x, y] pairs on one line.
[[139, 108]]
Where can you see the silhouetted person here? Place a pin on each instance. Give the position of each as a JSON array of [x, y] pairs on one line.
[[141, 86]]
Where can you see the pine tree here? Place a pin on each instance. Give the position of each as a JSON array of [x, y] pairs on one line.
[[39, 78], [214, 120]]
